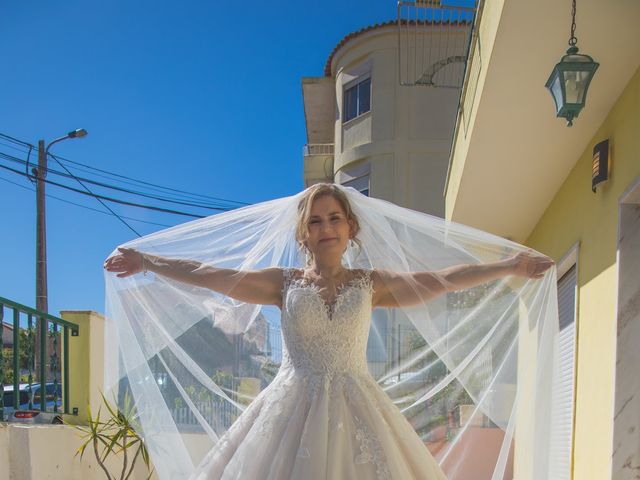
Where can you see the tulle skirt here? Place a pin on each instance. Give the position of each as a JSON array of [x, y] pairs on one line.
[[318, 427]]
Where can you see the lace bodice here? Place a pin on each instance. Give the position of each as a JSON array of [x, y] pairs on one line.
[[323, 416], [325, 338]]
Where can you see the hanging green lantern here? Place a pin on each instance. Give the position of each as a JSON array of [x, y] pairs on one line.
[[570, 78]]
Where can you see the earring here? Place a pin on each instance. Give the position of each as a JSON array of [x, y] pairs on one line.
[[307, 254]]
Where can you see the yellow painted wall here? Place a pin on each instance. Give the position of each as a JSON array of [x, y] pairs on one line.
[[86, 364], [576, 214]]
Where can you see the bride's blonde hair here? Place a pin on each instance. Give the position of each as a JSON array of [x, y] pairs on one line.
[[304, 210]]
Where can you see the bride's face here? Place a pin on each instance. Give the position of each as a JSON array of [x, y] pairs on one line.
[[328, 227]]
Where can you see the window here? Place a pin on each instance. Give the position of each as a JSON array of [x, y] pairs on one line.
[[361, 184], [356, 100], [356, 177], [8, 398], [51, 395]]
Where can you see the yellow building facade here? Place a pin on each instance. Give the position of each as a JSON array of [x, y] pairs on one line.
[[577, 216], [517, 171]]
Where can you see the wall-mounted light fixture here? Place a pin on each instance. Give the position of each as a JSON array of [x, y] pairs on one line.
[[570, 78], [601, 162]]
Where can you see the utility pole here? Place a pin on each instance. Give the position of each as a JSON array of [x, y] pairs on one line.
[[42, 296], [42, 302]]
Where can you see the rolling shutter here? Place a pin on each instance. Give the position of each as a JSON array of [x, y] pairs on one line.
[[564, 380]]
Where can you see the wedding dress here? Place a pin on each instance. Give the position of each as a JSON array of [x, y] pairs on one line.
[[323, 416], [330, 390]]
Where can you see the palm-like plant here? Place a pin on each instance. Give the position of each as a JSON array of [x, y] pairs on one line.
[[114, 436]]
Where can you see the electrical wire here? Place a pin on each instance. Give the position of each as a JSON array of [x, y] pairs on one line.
[[68, 174], [15, 140], [83, 206], [236, 202], [132, 192], [128, 180], [99, 199], [109, 199], [27, 148]]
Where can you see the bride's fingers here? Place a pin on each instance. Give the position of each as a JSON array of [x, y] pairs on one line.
[[115, 269], [126, 251], [118, 267], [112, 265], [113, 260], [547, 264]]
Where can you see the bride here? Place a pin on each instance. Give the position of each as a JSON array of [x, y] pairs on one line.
[[323, 416]]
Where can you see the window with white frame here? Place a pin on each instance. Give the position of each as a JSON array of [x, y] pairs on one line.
[[356, 99]]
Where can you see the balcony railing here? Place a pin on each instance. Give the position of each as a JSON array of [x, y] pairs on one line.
[[30, 331], [318, 149]]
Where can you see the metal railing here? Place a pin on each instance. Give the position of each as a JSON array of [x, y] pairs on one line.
[[318, 149], [31, 332], [433, 42]]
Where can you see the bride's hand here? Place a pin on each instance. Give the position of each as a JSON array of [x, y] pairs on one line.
[[526, 264], [127, 262]]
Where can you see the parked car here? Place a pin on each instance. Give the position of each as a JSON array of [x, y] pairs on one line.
[[35, 416], [23, 414]]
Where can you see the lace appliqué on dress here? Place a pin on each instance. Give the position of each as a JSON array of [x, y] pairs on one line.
[[326, 344], [316, 343], [370, 450], [361, 280], [270, 415]]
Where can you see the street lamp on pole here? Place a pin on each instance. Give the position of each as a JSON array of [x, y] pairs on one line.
[[40, 174], [42, 301]]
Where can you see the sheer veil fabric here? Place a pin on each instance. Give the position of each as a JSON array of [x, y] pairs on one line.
[[471, 370]]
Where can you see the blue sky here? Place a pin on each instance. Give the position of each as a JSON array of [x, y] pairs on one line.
[[199, 96]]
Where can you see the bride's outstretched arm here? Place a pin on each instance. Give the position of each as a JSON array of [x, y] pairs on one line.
[[393, 289], [259, 286]]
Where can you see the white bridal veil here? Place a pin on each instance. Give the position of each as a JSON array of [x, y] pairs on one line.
[[472, 370]]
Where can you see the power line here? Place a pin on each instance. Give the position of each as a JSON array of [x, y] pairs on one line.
[[238, 203], [133, 192], [83, 206], [15, 140], [191, 197], [68, 174], [124, 177], [109, 199], [112, 187], [99, 200], [85, 187]]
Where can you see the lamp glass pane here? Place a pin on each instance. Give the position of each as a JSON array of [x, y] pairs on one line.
[[556, 91], [575, 83]]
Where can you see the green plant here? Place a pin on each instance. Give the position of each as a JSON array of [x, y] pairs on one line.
[[23, 358], [116, 435]]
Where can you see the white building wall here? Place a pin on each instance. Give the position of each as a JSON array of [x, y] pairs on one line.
[[406, 136]]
